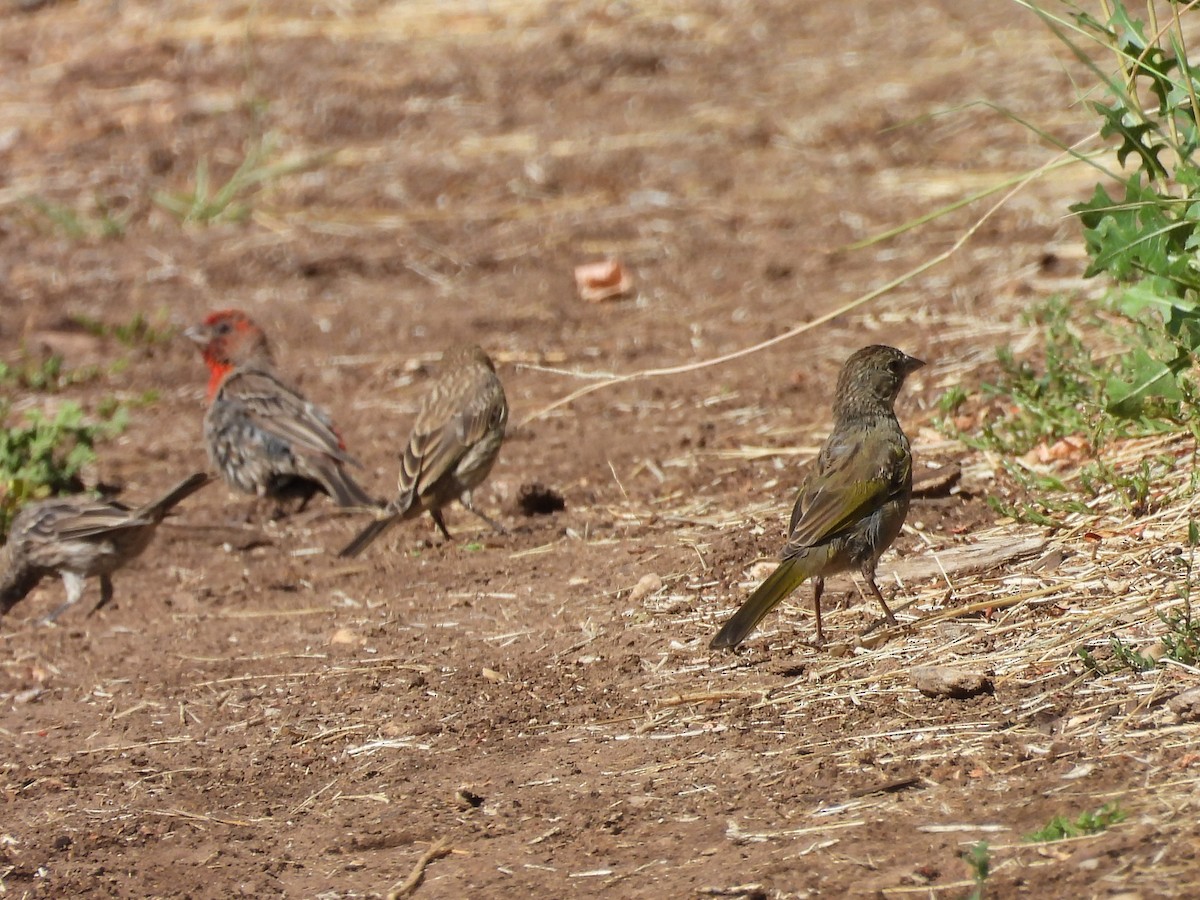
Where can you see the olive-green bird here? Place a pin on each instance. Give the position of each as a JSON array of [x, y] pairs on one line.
[[853, 504]]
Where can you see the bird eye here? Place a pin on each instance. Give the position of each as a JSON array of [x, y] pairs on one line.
[[224, 327]]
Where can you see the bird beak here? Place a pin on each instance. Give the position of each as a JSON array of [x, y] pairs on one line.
[[911, 364], [197, 334]]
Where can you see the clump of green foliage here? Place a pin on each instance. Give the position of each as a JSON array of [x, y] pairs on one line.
[[1063, 398], [43, 455], [979, 860], [139, 331], [1180, 642], [1086, 823], [206, 203], [1143, 228], [101, 221], [1066, 396], [43, 374]]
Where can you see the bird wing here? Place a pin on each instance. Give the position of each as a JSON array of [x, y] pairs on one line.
[[279, 411], [442, 436], [74, 518], [856, 474]]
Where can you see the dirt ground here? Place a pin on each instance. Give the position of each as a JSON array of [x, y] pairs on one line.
[[253, 716]]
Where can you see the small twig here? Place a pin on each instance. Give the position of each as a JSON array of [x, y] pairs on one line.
[[197, 817], [438, 849], [709, 697]]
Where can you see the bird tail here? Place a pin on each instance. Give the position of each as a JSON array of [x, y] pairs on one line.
[[368, 535], [159, 508], [790, 574], [345, 491]]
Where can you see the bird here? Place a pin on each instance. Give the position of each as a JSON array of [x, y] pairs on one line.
[[454, 443], [262, 435], [80, 537], [852, 505]]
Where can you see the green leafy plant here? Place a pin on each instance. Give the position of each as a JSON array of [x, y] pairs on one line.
[[44, 455], [206, 203], [1121, 657], [1143, 229], [1086, 823], [139, 331], [79, 224], [979, 860], [47, 373], [1130, 658], [1181, 641], [1064, 395]]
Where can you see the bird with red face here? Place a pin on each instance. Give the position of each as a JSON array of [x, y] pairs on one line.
[[262, 435]]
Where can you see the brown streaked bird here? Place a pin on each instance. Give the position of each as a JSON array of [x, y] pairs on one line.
[[80, 537], [853, 504], [262, 435], [455, 440]]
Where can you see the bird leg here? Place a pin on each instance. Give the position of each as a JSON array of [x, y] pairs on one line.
[[818, 589], [106, 594], [440, 522], [465, 500], [887, 613], [305, 496], [73, 582]]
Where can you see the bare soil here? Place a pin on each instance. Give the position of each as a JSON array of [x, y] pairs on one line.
[[253, 716]]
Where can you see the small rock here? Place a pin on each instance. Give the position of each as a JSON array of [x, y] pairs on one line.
[[944, 681], [648, 584], [345, 636], [1186, 705]]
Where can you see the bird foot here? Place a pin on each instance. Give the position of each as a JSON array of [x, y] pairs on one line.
[[890, 621]]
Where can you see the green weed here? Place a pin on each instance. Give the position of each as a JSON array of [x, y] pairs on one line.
[[42, 455], [979, 860], [1086, 823], [78, 224], [48, 374], [1142, 228], [1181, 641], [139, 331], [207, 203], [1066, 395]]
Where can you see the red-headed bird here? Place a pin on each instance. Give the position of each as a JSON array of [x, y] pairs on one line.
[[262, 435]]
